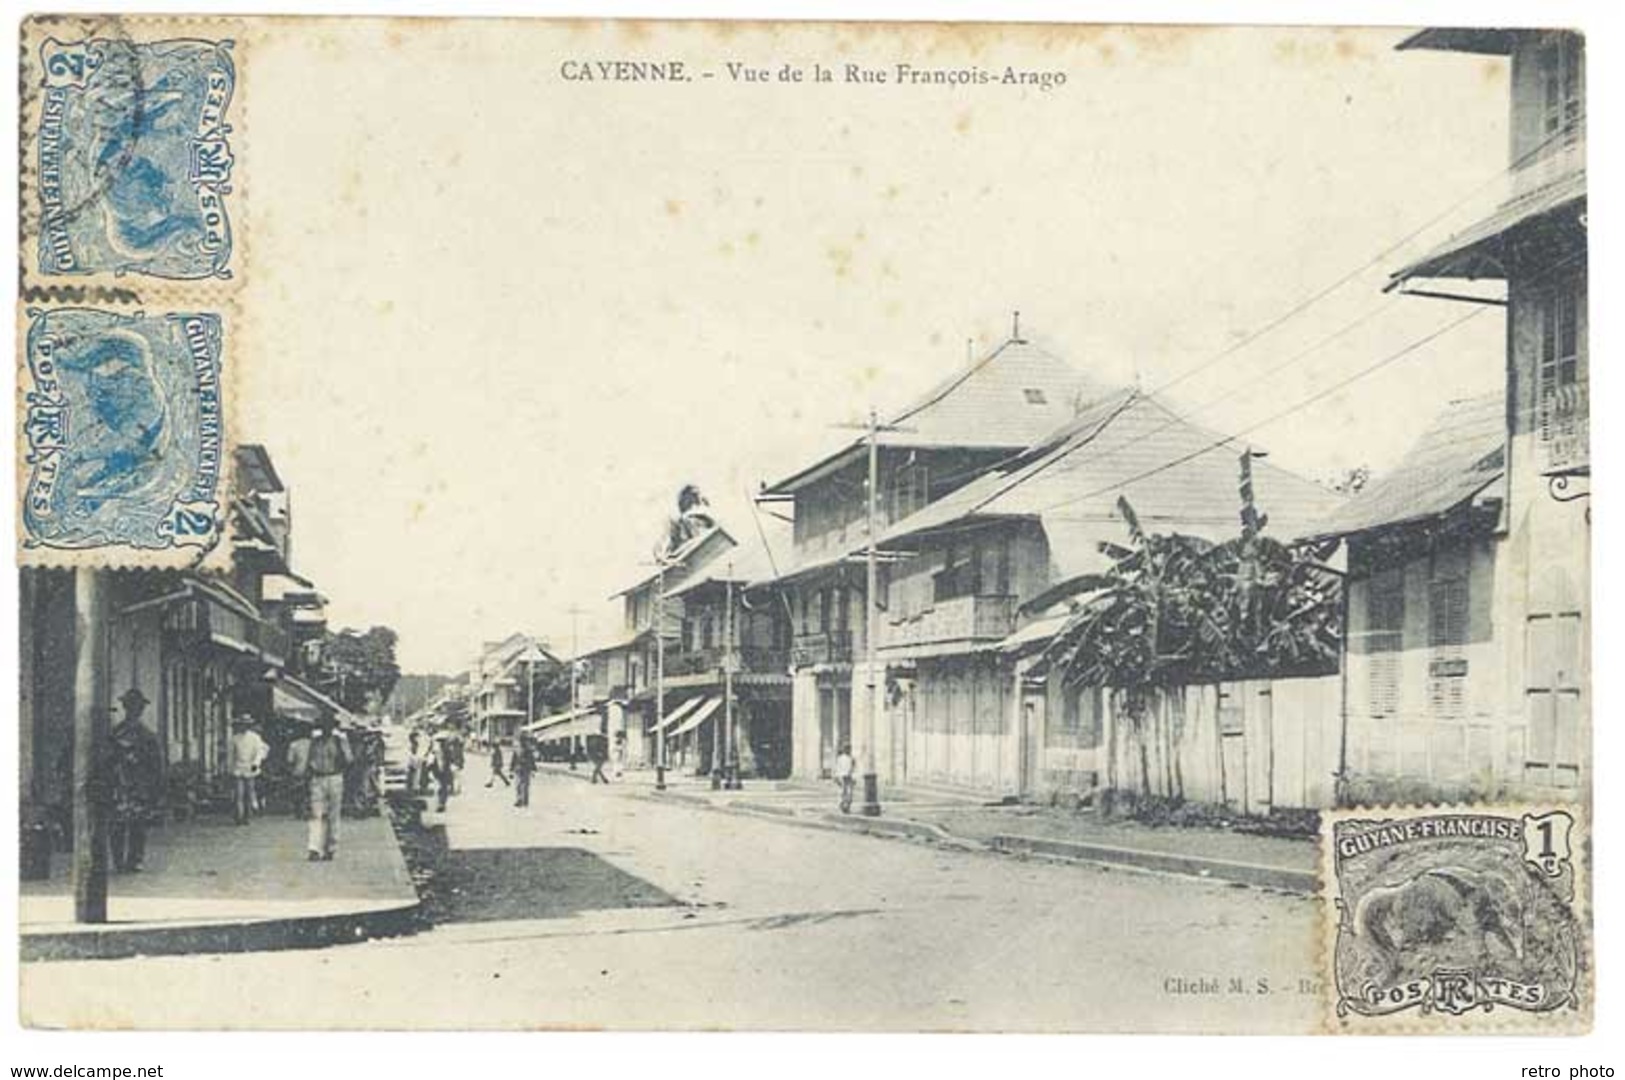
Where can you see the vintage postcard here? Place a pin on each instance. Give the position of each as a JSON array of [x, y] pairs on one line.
[[804, 526]]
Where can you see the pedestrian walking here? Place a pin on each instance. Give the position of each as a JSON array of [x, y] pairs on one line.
[[598, 753], [322, 764], [620, 755], [246, 756], [131, 776], [298, 751], [845, 769], [524, 766], [498, 770]]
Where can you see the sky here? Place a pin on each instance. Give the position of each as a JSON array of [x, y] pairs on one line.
[[493, 319]]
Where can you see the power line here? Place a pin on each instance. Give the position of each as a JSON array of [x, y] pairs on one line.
[[1321, 294], [1312, 399]]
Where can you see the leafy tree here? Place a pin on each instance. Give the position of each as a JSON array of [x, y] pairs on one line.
[[358, 668]]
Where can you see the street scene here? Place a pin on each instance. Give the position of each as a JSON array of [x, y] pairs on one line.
[[668, 632]]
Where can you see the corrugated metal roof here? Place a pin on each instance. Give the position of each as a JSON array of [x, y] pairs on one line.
[[1475, 252], [1178, 475], [1013, 396], [1460, 454]]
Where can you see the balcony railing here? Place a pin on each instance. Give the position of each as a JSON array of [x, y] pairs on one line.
[[962, 619], [830, 647], [750, 659], [1565, 156]]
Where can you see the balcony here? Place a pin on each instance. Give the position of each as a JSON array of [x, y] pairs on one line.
[[961, 621], [1563, 157], [699, 665], [829, 647]]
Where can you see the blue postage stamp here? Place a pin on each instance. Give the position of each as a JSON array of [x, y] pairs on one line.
[[1450, 914], [134, 158], [124, 430]]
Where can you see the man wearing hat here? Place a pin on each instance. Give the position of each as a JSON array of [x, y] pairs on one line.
[[321, 763], [248, 753], [133, 784]]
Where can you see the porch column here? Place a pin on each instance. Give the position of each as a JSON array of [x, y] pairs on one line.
[[90, 733]]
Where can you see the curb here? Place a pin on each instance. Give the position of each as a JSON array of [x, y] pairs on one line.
[[1198, 867], [264, 935], [1262, 875]]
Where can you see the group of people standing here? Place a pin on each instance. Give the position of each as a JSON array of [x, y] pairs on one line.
[[323, 771]]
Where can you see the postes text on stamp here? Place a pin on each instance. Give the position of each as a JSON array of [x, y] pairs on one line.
[[134, 157], [124, 428], [1450, 915]]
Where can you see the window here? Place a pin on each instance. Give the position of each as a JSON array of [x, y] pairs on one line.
[[1561, 110], [1385, 638], [910, 489], [959, 574], [1447, 640], [1560, 399], [823, 611]]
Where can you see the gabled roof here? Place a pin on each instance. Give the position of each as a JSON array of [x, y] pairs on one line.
[[750, 563], [1178, 476], [1461, 454], [680, 560], [1012, 396]]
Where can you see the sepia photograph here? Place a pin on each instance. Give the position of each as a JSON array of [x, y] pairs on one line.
[[542, 524]]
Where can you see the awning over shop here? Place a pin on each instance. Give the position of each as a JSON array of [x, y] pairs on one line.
[[547, 723], [568, 725], [699, 715], [292, 698], [678, 713]]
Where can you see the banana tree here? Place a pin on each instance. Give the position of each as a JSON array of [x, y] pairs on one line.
[[1176, 610]]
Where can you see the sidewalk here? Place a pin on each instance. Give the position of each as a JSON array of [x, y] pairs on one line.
[[1022, 830], [211, 886]]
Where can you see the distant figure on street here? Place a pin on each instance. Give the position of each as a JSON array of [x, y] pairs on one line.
[[414, 763], [845, 768], [441, 764], [454, 753], [598, 752], [323, 763], [620, 754], [524, 766], [498, 769], [247, 754], [132, 775]]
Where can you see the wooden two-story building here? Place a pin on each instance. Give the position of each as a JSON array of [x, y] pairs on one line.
[[1469, 644], [975, 419]]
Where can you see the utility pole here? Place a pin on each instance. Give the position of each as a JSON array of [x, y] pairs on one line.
[[730, 663], [870, 725], [719, 726], [871, 630], [660, 678], [91, 702]]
